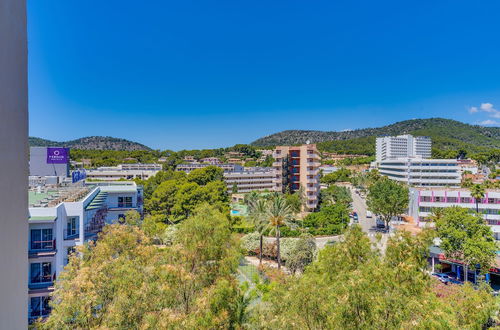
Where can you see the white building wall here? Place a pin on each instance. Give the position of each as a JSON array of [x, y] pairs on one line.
[[14, 174]]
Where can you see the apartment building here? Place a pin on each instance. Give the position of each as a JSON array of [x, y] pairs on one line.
[[424, 200], [403, 146], [193, 166], [297, 167], [422, 172], [124, 172], [62, 218], [251, 179]]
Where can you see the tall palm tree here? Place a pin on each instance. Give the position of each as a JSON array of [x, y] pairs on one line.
[[477, 191], [279, 213], [257, 211]]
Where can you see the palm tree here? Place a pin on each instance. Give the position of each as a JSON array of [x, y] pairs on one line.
[[257, 211], [477, 191], [279, 213]]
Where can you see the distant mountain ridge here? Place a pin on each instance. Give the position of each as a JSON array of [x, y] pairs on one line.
[[91, 143], [445, 133]]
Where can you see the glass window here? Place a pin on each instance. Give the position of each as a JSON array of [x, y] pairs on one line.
[[41, 239], [72, 227], [40, 272], [39, 306]]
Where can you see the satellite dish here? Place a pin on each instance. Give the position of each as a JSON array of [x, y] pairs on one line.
[[308, 142]]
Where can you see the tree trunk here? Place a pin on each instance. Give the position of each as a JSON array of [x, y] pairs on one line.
[[278, 246], [260, 251], [477, 206]]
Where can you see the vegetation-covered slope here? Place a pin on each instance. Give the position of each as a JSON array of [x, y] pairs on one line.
[[91, 143], [446, 134]]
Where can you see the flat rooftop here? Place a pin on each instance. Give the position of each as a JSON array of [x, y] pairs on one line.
[[50, 197]]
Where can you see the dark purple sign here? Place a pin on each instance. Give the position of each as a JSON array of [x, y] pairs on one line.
[[57, 156]]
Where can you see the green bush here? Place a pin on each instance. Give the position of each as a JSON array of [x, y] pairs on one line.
[[330, 220]]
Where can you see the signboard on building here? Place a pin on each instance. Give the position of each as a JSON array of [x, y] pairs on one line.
[[78, 175], [57, 156]]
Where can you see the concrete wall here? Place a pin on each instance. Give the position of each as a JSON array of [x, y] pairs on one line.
[[14, 160]]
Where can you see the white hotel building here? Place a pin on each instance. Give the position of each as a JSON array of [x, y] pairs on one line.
[[403, 146], [62, 218], [251, 179], [423, 172], [406, 159], [423, 201], [124, 172]]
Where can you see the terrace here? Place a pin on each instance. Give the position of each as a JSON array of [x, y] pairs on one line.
[[53, 196]]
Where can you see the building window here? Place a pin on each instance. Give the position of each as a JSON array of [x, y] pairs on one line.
[[39, 306], [41, 272], [125, 201], [72, 227], [452, 199], [425, 198], [465, 199], [41, 239]]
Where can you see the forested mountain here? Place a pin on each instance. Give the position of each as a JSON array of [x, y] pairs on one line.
[[91, 143], [446, 134]]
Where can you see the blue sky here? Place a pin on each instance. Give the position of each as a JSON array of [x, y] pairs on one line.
[[204, 74]]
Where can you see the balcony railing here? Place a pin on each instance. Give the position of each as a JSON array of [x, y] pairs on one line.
[[43, 245]]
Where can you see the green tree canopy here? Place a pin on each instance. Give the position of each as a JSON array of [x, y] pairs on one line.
[[388, 198], [466, 236], [125, 282]]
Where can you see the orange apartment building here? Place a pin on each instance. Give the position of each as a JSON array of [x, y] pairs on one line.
[[298, 167]]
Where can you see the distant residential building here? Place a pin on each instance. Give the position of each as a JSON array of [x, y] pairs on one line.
[[193, 166], [335, 156], [235, 161], [210, 160], [251, 179], [423, 201], [233, 154], [422, 172], [403, 146], [162, 159], [63, 217], [189, 159], [327, 169], [124, 172], [298, 167]]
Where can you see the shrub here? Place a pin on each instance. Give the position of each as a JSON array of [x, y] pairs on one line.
[[250, 243]]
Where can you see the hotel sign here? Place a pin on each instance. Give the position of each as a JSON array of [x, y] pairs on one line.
[[57, 156]]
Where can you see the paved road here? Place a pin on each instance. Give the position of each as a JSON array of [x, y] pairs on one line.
[[368, 225]]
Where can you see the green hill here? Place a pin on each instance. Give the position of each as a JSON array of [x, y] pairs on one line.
[[446, 135], [91, 143]]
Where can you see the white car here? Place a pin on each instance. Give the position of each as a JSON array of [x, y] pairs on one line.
[[369, 214]]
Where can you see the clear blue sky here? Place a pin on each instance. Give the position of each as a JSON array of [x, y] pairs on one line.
[[202, 74]]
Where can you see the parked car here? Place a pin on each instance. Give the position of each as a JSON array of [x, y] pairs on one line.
[[355, 217], [380, 223], [369, 214]]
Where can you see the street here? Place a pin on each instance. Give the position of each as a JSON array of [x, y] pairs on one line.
[[368, 225]]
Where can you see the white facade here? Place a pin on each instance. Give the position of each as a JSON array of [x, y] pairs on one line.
[[403, 146], [14, 174], [251, 179], [422, 172], [327, 169], [54, 231], [193, 166], [124, 172], [423, 201]]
